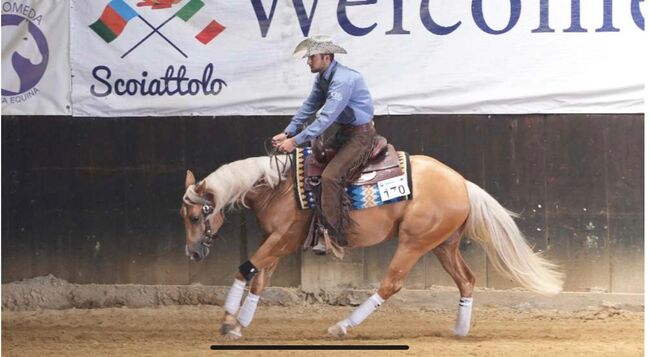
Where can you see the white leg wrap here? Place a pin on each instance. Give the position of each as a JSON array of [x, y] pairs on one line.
[[464, 317], [234, 297], [362, 312], [248, 309]]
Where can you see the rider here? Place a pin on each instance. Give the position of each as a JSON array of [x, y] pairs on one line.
[[345, 100]]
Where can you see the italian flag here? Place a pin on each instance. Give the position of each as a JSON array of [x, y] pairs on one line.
[[207, 26]]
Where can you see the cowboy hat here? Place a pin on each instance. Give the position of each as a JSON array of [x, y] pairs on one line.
[[317, 44]]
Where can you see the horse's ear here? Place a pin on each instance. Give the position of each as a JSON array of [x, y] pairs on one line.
[[200, 189], [189, 179]]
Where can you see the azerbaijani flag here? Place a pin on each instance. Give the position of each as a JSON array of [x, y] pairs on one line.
[[209, 28], [113, 20]]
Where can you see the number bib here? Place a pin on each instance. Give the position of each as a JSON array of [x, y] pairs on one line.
[[393, 187]]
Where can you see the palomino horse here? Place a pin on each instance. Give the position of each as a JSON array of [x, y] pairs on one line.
[[444, 207]]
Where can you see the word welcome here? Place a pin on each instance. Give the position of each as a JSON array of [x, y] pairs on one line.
[[265, 18], [171, 83]]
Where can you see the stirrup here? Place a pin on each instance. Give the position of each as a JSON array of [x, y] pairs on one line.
[[320, 248]]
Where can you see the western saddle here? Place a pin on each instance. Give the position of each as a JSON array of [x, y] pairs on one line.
[[382, 164]]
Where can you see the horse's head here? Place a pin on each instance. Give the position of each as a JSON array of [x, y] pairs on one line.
[[20, 40], [202, 221]]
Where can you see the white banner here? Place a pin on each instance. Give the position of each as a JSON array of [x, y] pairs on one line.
[[35, 57], [193, 57]]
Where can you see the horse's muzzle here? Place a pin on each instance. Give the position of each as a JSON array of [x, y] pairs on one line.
[[197, 252]]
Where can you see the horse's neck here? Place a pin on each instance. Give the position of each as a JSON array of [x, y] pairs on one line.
[[262, 197], [277, 212]]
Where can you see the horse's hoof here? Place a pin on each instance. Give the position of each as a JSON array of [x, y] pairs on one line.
[[460, 332], [337, 330], [225, 328], [233, 335]]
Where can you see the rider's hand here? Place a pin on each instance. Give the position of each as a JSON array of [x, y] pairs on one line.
[[288, 145], [278, 139]]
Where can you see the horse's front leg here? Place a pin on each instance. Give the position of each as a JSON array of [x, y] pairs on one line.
[[265, 259], [232, 326], [231, 305]]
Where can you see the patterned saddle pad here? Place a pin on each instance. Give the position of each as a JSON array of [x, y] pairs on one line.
[[362, 195]]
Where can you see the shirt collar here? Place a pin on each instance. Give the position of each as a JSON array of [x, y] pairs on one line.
[[327, 75]]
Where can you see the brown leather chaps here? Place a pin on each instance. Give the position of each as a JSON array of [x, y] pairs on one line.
[[353, 145]]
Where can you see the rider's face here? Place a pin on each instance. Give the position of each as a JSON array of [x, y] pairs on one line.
[[318, 63]]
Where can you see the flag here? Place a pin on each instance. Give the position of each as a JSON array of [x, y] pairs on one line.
[[208, 27], [113, 20], [157, 4]]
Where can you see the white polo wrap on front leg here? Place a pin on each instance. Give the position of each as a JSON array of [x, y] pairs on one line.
[[248, 309], [234, 297], [464, 318], [362, 312]]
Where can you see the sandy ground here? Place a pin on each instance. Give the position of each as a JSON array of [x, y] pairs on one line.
[[191, 330]]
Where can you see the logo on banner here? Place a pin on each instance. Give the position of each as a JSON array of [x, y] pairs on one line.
[[25, 53], [114, 21], [118, 13]]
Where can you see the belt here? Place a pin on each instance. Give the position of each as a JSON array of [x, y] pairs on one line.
[[348, 128]]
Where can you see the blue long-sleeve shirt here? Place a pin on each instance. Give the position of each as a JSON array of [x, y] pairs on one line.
[[346, 101]]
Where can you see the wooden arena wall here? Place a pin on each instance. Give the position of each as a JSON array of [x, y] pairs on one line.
[[96, 200]]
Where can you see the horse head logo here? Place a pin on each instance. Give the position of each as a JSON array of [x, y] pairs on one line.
[[24, 55]]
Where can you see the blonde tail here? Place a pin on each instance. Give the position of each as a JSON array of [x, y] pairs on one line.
[[491, 225]]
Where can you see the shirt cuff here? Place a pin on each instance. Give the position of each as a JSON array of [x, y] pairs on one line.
[[300, 138], [289, 131]]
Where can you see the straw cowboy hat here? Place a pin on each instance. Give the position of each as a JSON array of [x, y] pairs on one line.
[[317, 44]]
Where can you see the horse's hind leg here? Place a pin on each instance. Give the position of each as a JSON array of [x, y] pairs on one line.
[[403, 261], [418, 235], [449, 256]]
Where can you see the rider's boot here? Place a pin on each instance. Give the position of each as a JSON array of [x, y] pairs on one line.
[[320, 248]]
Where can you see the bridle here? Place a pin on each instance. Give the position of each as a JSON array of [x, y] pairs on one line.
[[208, 237], [207, 209]]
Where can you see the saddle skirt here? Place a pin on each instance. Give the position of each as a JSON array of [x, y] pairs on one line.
[[389, 171]]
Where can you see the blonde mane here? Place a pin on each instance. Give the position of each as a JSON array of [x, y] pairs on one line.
[[230, 183]]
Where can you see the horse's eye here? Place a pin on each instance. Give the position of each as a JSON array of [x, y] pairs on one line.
[[194, 219], [24, 38]]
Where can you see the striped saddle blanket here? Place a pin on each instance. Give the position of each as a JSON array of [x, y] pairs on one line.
[[385, 183]]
